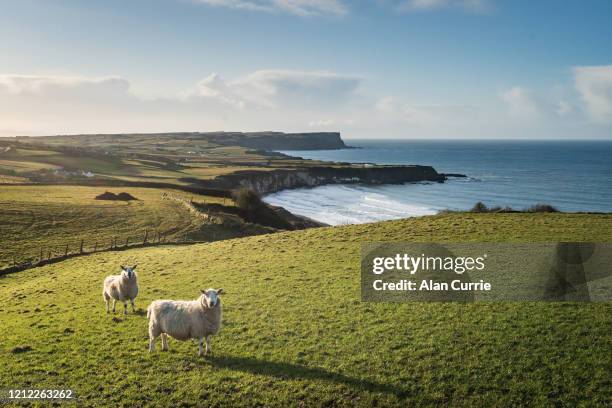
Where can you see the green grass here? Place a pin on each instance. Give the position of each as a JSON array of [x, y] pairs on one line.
[[297, 334], [50, 217]]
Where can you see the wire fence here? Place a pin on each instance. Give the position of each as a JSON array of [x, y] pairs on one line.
[[56, 253]]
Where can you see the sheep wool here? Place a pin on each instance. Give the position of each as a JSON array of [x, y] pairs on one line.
[[183, 320], [123, 288]]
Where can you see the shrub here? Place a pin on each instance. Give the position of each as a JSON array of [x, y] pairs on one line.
[[479, 207], [256, 211], [247, 199], [542, 208]]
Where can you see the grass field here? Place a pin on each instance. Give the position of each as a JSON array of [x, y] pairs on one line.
[[297, 334], [51, 217], [146, 158]]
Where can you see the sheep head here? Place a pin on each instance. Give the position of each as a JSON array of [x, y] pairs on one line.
[[128, 271], [211, 297]]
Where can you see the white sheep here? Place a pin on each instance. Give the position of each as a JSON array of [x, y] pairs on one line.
[[122, 287], [183, 320]]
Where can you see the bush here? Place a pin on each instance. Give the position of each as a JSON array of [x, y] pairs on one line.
[[256, 211], [542, 208], [479, 207], [247, 199]]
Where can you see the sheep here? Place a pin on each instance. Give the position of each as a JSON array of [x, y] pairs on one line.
[[122, 287], [183, 320]]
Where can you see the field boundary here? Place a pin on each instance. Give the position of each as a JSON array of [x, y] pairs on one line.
[[19, 267]]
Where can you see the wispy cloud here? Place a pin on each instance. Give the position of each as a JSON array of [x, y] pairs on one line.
[[473, 6], [521, 102], [303, 8], [281, 88], [293, 100], [594, 85]]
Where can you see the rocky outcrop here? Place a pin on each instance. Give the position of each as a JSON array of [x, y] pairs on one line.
[[266, 182]]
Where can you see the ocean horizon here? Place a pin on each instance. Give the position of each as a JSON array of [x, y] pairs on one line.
[[571, 175]]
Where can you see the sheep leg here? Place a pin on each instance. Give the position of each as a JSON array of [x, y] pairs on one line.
[[200, 347], [207, 345], [151, 344], [124, 308], [164, 338], [153, 333], [114, 301], [106, 299], [133, 307]]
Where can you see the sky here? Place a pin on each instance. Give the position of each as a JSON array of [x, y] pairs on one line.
[[369, 68]]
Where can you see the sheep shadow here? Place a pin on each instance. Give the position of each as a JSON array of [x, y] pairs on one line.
[[288, 371]]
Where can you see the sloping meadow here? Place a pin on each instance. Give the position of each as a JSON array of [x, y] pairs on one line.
[[296, 333]]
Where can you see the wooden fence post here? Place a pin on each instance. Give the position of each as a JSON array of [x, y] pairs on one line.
[[49, 255], [95, 246], [127, 241], [144, 241]]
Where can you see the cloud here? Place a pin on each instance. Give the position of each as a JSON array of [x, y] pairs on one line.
[[473, 6], [521, 102], [293, 100], [594, 85], [279, 99], [322, 123], [314, 89], [564, 108], [63, 87], [390, 108], [302, 8], [215, 87]]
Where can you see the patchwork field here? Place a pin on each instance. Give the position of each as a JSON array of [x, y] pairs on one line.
[[296, 332], [167, 158]]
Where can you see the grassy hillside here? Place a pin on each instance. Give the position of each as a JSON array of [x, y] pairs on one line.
[[296, 332], [51, 217]]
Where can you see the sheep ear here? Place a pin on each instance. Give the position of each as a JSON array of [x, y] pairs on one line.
[[220, 291], [134, 267], [203, 291], [122, 267]]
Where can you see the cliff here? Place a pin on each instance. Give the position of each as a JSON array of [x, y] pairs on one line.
[[266, 182]]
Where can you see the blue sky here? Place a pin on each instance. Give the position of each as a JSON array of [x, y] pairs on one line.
[[373, 68]]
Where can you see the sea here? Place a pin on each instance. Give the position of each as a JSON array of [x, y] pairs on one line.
[[573, 176]]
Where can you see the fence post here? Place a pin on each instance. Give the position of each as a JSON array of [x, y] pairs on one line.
[[81, 248], [66, 250], [49, 255], [127, 241], [144, 241]]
